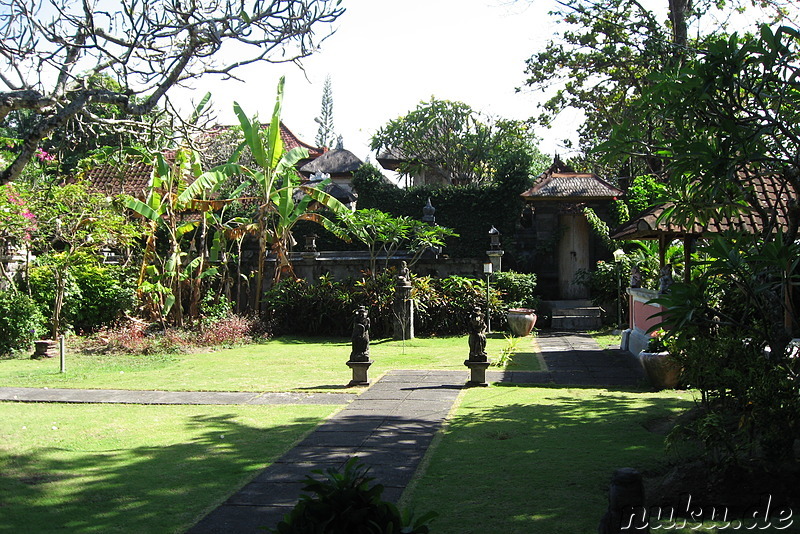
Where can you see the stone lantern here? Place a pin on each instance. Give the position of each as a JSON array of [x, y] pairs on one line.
[[495, 253]]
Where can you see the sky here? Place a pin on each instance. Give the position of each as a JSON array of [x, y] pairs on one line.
[[387, 56]]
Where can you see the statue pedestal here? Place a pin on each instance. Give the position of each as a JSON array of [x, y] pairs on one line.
[[477, 372], [359, 372], [45, 348], [403, 311]]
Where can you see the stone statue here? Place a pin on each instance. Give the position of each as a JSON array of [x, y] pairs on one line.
[[360, 339], [403, 275], [665, 279], [636, 276], [477, 336]]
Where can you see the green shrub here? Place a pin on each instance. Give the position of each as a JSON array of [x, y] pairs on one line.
[[517, 290], [442, 306], [104, 296], [214, 309], [20, 321], [347, 503], [96, 295], [323, 308]]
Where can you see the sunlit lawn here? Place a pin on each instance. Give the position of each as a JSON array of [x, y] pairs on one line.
[[538, 460], [281, 364], [128, 468]]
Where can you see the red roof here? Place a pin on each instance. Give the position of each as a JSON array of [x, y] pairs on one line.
[[290, 140], [771, 198], [133, 178]]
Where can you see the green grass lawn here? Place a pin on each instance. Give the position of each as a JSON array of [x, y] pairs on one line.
[[606, 338], [281, 364], [122, 468], [537, 460]]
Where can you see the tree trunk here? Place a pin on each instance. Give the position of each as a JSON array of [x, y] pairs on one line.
[[677, 16]]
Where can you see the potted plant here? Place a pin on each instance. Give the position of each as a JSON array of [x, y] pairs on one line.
[[518, 293], [661, 369]]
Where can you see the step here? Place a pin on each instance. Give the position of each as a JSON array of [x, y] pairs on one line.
[[575, 323], [565, 304], [591, 311]]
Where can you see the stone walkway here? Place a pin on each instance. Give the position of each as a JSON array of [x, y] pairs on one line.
[[389, 426], [123, 396]]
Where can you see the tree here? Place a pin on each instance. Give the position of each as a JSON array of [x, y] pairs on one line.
[[325, 133], [600, 62], [144, 47], [278, 180], [729, 118], [382, 232], [283, 202], [448, 142], [169, 198], [71, 219]]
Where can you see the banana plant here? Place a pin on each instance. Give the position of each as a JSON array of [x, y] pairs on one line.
[[160, 282], [279, 184]]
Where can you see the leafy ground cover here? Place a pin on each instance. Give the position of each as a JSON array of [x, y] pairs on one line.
[[282, 364], [127, 468]]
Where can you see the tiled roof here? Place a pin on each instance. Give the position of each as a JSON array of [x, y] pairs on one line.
[[770, 197], [570, 186], [133, 178], [290, 140]]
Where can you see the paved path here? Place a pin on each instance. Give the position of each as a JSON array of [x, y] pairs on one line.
[[389, 426], [122, 396]]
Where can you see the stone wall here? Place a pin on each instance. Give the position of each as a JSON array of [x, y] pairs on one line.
[[11, 268], [343, 265], [642, 318]]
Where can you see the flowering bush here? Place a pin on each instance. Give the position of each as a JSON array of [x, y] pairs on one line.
[[657, 342], [18, 220], [135, 337]]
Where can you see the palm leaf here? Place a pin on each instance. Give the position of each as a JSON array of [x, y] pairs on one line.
[[251, 135], [140, 208]]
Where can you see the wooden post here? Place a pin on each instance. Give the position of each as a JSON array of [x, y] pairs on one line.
[[62, 354]]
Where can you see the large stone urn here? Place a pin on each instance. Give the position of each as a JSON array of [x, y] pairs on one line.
[[521, 321], [663, 371]]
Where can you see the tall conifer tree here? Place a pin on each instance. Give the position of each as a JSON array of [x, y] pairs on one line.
[[325, 134]]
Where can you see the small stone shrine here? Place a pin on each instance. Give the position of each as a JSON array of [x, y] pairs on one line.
[[478, 361], [359, 355]]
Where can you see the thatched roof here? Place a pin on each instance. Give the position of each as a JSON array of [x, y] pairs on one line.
[[334, 162], [561, 182]]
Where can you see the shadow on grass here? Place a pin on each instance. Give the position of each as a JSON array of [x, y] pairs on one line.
[[524, 460], [304, 340], [141, 489]]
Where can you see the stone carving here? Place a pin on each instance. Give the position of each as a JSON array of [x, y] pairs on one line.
[[360, 339], [665, 279], [477, 336], [403, 275], [428, 212], [636, 276], [626, 504]]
